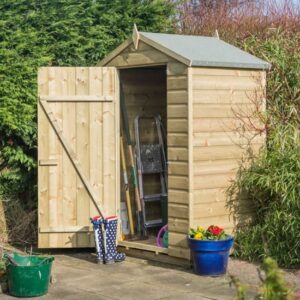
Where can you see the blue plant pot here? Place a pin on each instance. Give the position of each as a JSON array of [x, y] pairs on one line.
[[210, 258]]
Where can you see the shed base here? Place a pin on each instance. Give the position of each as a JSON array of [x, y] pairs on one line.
[[148, 245], [152, 256]]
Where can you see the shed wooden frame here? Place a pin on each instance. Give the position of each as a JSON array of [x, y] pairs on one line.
[[204, 146]]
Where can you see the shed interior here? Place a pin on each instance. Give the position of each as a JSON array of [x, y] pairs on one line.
[[144, 91]]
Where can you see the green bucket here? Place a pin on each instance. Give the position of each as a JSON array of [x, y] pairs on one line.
[[28, 275]]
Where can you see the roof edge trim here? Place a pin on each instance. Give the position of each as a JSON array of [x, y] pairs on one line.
[[263, 66], [165, 50]]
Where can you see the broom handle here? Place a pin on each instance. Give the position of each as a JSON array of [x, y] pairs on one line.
[[127, 194], [134, 178]]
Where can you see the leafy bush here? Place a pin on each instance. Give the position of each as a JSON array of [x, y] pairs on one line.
[[272, 186], [57, 32], [272, 182], [273, 286]]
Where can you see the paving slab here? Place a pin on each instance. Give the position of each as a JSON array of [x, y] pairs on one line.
[[76, 276]]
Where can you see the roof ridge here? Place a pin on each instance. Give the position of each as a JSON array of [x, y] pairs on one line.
[[178, 34]]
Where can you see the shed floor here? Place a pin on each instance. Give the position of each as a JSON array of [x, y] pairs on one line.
[[76, 276], [148, 245]]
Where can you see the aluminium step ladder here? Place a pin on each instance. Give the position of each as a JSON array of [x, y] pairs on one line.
[[151, 160]]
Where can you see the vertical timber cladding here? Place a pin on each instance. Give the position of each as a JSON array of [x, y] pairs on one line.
[[77, 130], [218, 146]]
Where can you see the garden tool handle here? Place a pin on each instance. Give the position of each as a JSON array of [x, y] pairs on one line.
[[51, 258], [11, 260]]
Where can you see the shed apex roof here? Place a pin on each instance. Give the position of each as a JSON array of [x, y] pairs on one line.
[[198, 51], [206, 51]]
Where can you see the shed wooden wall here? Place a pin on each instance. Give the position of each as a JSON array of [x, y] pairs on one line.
[[145, 55], [177, 136], [178, 156], [217, 96], [144, 92]]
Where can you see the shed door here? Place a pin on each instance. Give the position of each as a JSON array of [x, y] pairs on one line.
[[77, 142]]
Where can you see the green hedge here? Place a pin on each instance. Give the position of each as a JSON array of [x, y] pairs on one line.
[[58, 32]]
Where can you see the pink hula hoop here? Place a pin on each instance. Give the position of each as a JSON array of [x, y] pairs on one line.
[[160, 235]]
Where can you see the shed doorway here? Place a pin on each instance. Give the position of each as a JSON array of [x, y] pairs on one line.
[[143, 94]]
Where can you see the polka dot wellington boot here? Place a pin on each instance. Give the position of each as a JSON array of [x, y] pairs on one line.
[[110, 234], [97, 224]]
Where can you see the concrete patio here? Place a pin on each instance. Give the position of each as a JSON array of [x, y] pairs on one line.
[[76, 276]]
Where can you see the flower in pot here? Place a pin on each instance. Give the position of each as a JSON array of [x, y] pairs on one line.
[[210, 250]]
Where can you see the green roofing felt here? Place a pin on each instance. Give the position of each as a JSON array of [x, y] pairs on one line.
[[207, 51]]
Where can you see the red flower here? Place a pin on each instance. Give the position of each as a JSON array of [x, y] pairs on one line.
[[216, 230]]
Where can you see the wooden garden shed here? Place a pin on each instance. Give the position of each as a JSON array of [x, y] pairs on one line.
[[201, 86]]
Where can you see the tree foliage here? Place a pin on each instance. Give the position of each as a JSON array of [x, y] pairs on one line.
[[57, 32]]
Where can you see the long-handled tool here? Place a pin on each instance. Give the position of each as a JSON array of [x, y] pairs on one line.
[[139, 213], [126, 188]]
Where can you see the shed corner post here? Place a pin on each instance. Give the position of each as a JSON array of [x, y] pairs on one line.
[[190, 147]]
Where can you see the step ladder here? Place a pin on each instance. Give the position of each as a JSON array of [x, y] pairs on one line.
[[151, 160]]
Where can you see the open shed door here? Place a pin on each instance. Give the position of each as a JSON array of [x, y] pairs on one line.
[[78, 130]]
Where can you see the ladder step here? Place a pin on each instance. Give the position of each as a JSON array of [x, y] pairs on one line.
[[154, 223], [154, 197]]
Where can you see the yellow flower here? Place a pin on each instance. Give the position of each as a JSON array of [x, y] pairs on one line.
[[200, 229], [198, 236]]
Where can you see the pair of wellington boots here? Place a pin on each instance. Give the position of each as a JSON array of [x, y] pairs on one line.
[[105, 239]]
